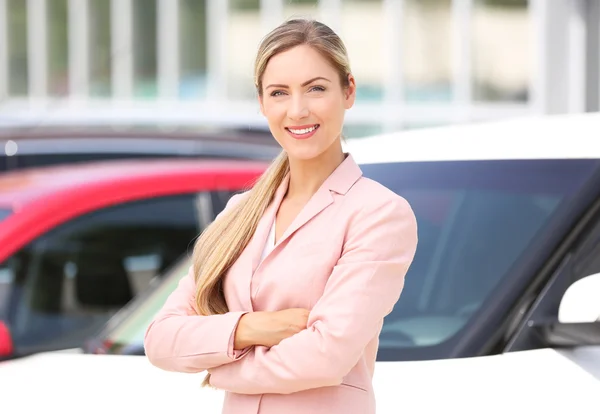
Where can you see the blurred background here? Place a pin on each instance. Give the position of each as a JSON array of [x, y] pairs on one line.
[[417, 62], [127, 125]]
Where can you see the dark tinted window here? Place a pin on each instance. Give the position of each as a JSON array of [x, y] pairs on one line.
[[476, 220], [4, 213], [125, 335], [65, 285]]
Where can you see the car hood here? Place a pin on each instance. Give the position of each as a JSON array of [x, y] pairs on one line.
[[532, 381]]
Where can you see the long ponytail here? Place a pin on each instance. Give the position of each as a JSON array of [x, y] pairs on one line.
[[222, 242]]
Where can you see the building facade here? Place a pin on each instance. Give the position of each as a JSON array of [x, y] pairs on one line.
[[417, 62]]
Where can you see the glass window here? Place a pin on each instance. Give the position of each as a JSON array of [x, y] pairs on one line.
[[144, 48], [18, 76], [192, 35], [126, 335], [244, 34], [501, 33], [364, 46], [427, 50], [476, 220], [4, 213], [58, 48], [100, 43], [66, 284]]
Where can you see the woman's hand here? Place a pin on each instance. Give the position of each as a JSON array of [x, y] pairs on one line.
[[269, 328]]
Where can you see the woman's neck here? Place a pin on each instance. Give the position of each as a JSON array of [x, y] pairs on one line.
[[307, 176]]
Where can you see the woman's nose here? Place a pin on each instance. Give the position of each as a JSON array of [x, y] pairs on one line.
[[298, 109]]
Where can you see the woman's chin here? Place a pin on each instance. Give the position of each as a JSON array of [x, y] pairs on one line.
[[304, 154]]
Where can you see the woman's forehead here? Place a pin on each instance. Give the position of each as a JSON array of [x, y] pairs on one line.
[[296, 66]]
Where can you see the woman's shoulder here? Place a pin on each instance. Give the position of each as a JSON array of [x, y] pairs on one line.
[[233, 201], [237, 197], [371, 195], [377, 213]]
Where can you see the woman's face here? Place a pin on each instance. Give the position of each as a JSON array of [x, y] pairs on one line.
[[304, 102]]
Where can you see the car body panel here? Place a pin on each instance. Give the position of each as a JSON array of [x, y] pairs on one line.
[[39, 184], [530, 381]]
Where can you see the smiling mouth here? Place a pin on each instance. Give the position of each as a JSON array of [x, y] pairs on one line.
[[303, 131]]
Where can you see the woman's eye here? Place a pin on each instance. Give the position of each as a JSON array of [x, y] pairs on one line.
[[318, 89], [276, 93]]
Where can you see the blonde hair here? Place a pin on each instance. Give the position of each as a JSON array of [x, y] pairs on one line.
[[222, 242]]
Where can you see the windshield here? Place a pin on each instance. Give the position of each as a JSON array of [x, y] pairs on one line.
[[476, 220]]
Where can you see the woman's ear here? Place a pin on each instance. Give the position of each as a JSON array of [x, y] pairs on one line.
[[350, 92], [261, 105]]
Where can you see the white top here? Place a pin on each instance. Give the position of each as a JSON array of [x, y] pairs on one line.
[[270, 244]]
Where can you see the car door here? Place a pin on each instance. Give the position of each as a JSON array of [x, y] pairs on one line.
[[66, 284]]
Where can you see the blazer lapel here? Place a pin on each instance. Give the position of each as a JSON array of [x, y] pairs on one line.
[[340, 181], [317, 203], [265, 223]]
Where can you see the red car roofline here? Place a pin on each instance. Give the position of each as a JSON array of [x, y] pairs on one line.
[[25, 224], [111, 171]]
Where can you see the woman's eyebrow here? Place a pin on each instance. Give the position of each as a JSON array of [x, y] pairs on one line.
[[279, 85]]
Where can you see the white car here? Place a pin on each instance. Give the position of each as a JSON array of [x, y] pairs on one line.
[[501, 308]]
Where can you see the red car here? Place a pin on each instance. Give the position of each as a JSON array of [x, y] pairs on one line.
[[78, 242]]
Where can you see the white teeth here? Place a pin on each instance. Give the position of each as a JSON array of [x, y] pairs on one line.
[[303, 131]]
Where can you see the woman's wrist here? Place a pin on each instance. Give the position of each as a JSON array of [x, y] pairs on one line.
[[246, 332]]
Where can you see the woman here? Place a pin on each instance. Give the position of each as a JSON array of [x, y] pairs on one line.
[[290, 284]]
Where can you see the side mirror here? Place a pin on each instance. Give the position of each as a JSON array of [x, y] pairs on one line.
[[581, 301], [6, 343], [578, 315]]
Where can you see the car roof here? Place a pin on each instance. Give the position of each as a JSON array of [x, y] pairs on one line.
[[18, 132], [240, 143], [22, 186], [535, 137]]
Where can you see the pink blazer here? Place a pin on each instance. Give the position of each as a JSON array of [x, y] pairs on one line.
[[344, 257]]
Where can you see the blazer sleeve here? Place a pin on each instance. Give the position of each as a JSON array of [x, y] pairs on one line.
[[178, 339], [362, 289]]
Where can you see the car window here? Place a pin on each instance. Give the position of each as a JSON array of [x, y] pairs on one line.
[[4, 213], [476, 221], [125, 335], [66, 284]]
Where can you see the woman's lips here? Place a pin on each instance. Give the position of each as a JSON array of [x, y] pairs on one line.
[[302, 132]]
